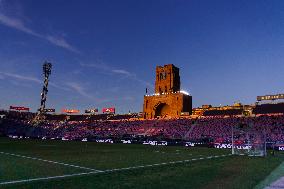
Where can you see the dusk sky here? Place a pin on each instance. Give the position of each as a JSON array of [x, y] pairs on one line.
[[104, 52]]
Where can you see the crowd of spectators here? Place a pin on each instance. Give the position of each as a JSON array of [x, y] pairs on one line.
[[208, 127]]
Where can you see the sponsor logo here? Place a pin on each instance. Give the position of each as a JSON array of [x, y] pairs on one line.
[[126, 141], [104, 140], [281, 148], [239, 147], [156, 143], [189, 144]]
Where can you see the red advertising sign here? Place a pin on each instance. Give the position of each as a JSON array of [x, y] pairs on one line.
[[19, 108], [109, 110], [71, 111]]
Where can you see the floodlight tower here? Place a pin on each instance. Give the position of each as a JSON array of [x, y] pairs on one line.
[[46, 72]]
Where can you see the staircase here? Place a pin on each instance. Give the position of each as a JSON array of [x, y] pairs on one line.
[[186, 136]]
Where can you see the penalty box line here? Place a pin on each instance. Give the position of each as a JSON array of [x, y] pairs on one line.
[[111, 170], [48, 161]]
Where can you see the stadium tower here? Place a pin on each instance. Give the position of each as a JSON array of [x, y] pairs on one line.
[[46, 72], [168, 100]]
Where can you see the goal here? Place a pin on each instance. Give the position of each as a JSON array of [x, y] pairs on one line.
[[248, 140]]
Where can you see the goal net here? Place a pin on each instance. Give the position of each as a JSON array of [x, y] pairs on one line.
[[247, 140]]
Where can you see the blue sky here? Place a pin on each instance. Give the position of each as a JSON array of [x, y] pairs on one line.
[[104, 53]]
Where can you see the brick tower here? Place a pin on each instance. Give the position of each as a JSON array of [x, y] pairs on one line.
[[167, 79], [168, 100]]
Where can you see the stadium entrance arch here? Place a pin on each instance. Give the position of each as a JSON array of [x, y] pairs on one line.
[[162, 110]]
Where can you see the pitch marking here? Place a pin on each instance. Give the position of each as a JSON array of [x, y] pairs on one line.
[[49, 161], [96, 171]]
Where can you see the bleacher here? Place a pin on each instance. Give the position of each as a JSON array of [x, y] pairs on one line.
[[122, 117]]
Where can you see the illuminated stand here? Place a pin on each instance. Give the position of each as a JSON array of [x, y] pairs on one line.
[[247, 140], [46, 72]]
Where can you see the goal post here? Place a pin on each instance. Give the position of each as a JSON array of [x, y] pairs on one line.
[[247, 140]]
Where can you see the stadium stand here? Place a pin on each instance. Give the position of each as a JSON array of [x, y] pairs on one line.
[[223, 112], [269, 108], [207, 128]]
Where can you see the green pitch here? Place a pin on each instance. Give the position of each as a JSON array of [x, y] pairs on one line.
[[70, 164]]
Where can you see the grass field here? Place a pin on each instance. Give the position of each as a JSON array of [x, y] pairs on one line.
[[70, 164]]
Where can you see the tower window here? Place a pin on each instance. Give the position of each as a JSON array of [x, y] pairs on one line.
[[163, 75], [146, 104]]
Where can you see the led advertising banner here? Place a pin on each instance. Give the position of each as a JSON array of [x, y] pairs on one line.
[[19, 108], [70, 111], [109, 110], [48, 110], [279, 147], [91, 111]]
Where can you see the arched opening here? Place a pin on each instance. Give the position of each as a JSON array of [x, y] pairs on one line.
[[162, 110]]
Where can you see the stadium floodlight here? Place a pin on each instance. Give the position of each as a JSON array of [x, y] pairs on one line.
[[47, 69], [46, 72], [184, 92]]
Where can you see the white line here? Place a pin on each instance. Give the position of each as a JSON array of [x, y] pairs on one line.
[[105, 171], [49, 161], [46, 145], [45, 178]]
